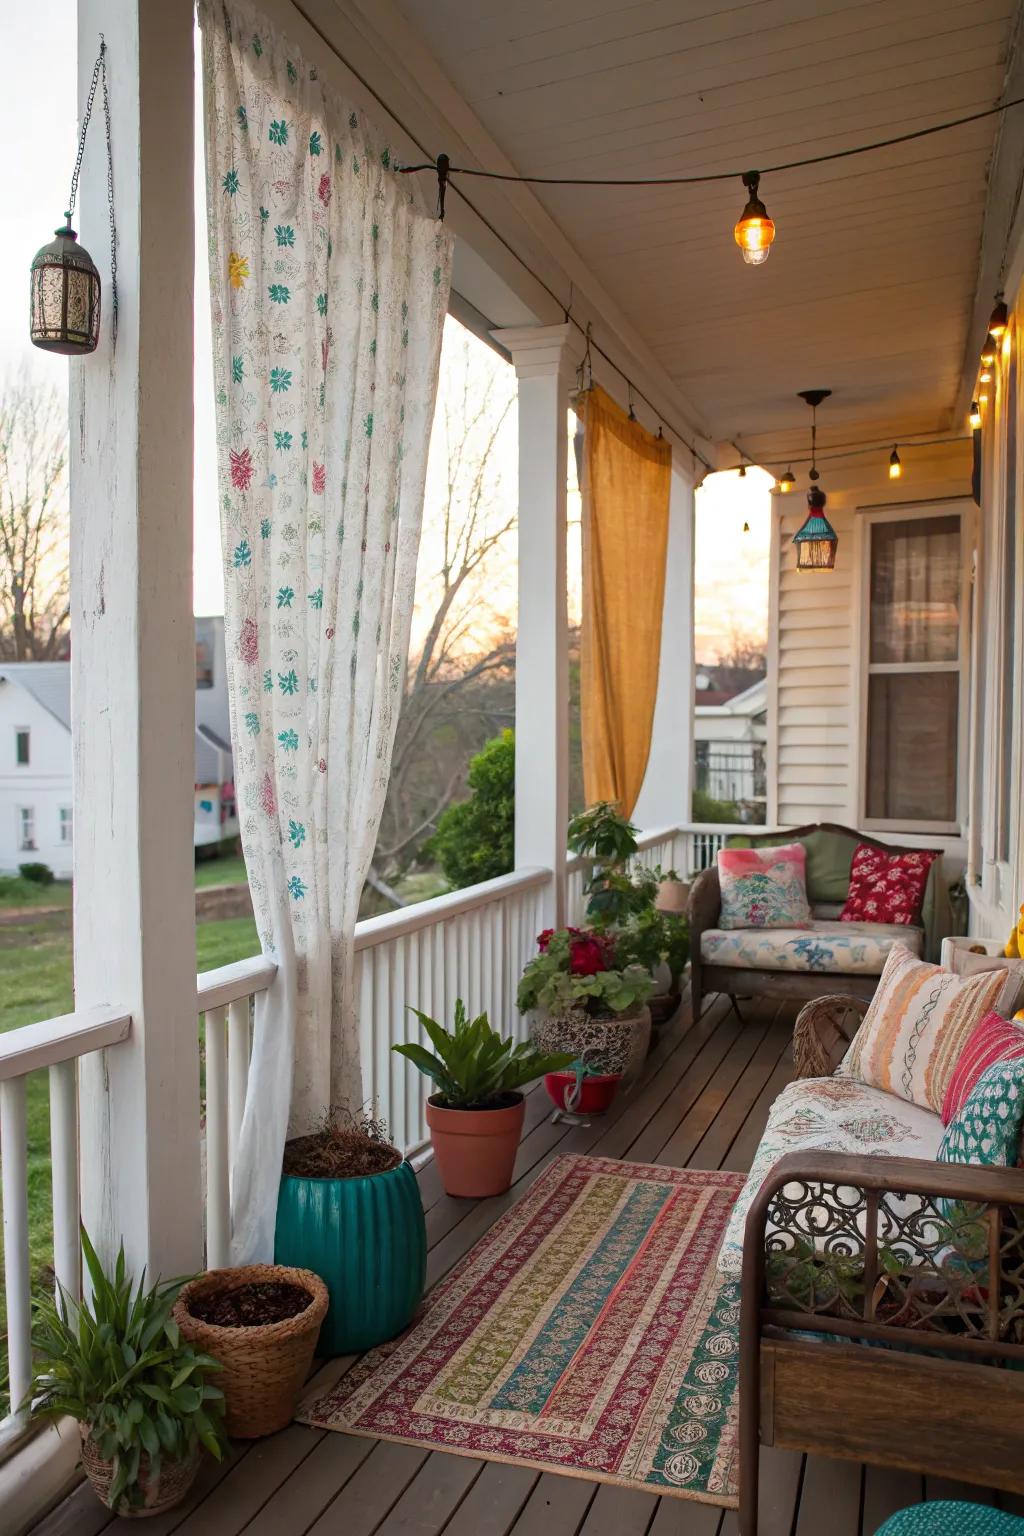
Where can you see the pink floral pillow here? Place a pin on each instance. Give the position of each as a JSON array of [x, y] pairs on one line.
[[886, 887], [764, 887]]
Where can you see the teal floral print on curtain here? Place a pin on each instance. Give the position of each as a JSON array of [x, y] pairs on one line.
[[329, 286]]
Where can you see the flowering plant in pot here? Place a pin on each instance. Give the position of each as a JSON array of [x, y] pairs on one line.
[[476, 1115], [580, 998], [117, 1363], [349, 1209]]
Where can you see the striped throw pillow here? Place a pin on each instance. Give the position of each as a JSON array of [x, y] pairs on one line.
[[993, 1039], [917, 1024]]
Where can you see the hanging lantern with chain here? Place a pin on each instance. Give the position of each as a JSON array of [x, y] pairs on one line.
[[65, 300], [816, 540]]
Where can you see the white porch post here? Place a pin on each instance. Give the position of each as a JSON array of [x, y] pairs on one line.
[[133, 668], [666, 794], [545, 360]]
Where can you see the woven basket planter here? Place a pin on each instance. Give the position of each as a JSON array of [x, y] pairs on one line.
[[266, 1366], [158, 1493]]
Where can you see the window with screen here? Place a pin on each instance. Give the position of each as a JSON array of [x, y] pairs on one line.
[[914, 663], [21, 748]]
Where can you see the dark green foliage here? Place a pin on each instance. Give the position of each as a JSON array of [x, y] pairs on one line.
[[474, 1068], [705, 809], [475, 840], [649, 937], [119, 1366], [39, 874], [601, 832]]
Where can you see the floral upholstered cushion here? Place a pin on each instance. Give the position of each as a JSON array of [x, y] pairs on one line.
[[852, 949], [830, 1114], [886, 887], [986, 1131], [917, 1024], [763, 887]]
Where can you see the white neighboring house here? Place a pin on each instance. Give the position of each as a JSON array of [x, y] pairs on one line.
[[730, 742], [36, 798]]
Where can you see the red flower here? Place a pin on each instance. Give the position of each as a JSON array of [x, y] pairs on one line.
[[241, 469], [544, 939], [587, 955], [323, 191], [249, 643], [319, 478]]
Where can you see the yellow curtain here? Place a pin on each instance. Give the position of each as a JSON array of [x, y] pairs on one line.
[[626, 476]]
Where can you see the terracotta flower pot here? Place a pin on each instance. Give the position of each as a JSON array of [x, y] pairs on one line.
[[158, 1493], [476, 1148]]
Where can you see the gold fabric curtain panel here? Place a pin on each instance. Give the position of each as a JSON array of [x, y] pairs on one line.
[[625, 480]]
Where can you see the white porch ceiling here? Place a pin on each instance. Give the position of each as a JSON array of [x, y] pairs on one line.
[[871, 283]]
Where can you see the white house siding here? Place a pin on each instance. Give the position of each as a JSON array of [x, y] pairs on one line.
[[814, 712], [44, 784]]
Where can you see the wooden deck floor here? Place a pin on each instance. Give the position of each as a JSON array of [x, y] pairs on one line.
[[701, 1103]]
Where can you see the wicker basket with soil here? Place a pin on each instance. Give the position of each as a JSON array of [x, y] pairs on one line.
[[261, 1322], [349, 1207]]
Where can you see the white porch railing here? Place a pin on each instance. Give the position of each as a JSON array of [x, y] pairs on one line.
[[56, 1045], [687, 849]]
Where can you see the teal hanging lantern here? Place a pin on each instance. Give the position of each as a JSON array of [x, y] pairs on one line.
[[817, 539]]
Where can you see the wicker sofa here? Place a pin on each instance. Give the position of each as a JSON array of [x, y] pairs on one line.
[[870, 1328], [797, 963]]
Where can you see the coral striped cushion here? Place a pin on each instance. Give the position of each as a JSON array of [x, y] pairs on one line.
[[919, 1019], [993, 1039]]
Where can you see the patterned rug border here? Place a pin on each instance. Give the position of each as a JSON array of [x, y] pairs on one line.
[[557, 1173]]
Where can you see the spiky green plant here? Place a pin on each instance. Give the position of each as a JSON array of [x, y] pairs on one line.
[[474, 1068], [118, 1365]]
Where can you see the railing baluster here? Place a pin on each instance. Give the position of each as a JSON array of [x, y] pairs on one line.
[[67, 1263], [218, 1205], [17, 1277], [238, 1071]]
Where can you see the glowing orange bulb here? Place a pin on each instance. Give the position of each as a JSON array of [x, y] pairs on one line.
[[988, 352], [975, 417], [985, 376], [999, 318], [895, 467], [754, 231]]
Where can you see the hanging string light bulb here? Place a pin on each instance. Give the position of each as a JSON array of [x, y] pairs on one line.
[[787, 482], [989, 351], [974, 419], [999, 318], [816, 540], [754, 231], [895, 466]]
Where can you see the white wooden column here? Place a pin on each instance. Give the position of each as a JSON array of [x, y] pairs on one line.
[[133, 648], [545, 360], [665, 798]]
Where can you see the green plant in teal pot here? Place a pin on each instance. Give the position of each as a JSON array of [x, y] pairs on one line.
[[349, 1209]]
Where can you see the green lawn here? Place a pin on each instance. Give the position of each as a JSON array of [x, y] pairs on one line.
[[35, 983], [228, 869]]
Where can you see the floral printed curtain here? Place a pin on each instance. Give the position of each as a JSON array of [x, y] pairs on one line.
[[329, 287]]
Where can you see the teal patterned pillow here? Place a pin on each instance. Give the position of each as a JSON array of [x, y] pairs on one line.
[[987, 1129]]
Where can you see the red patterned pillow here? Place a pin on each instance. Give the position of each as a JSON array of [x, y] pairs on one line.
[[992, 1039], [886, 887]]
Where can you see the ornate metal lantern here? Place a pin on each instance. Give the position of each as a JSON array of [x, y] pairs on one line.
[[65, 315], [65, 299], [817, 539]]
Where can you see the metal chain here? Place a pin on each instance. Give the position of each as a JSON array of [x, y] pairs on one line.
[[99, 69]]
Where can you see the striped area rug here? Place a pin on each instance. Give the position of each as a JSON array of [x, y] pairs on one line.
[[585, 1333]]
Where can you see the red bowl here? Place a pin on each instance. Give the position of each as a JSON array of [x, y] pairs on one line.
[[596, 1093]]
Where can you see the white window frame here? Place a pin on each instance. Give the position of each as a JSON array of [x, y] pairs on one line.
[[65, 826], [904, 513], [26, 731], [26, 816]]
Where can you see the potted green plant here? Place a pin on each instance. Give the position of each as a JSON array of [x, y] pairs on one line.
[[660, 941], [607, 839], [118, 1364], [581, 999], [476, 1115], [349, 1209]]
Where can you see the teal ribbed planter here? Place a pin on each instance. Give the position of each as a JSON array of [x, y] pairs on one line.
[[367, 1239]]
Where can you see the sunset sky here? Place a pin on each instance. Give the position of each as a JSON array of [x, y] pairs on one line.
[[731, 567]]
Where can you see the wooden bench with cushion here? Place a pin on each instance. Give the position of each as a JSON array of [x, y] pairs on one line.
[[831, 956]]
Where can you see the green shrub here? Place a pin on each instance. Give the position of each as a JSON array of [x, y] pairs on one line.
[[705, 809], [39, 874], [475, 840]]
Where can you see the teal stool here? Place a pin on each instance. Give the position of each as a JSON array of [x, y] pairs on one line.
[[945, 1517]]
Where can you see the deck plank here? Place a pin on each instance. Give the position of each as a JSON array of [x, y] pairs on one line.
[[250, 1483], [619, 1512], [778, 1494], [495, 1501], [830, 1498], [370, 1495], [556, 1507], [684, 1517], [887, 1490], [433, 1496], [302, 1497], [713, 1149]]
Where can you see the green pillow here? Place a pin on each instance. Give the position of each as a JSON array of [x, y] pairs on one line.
[[829, 856]]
